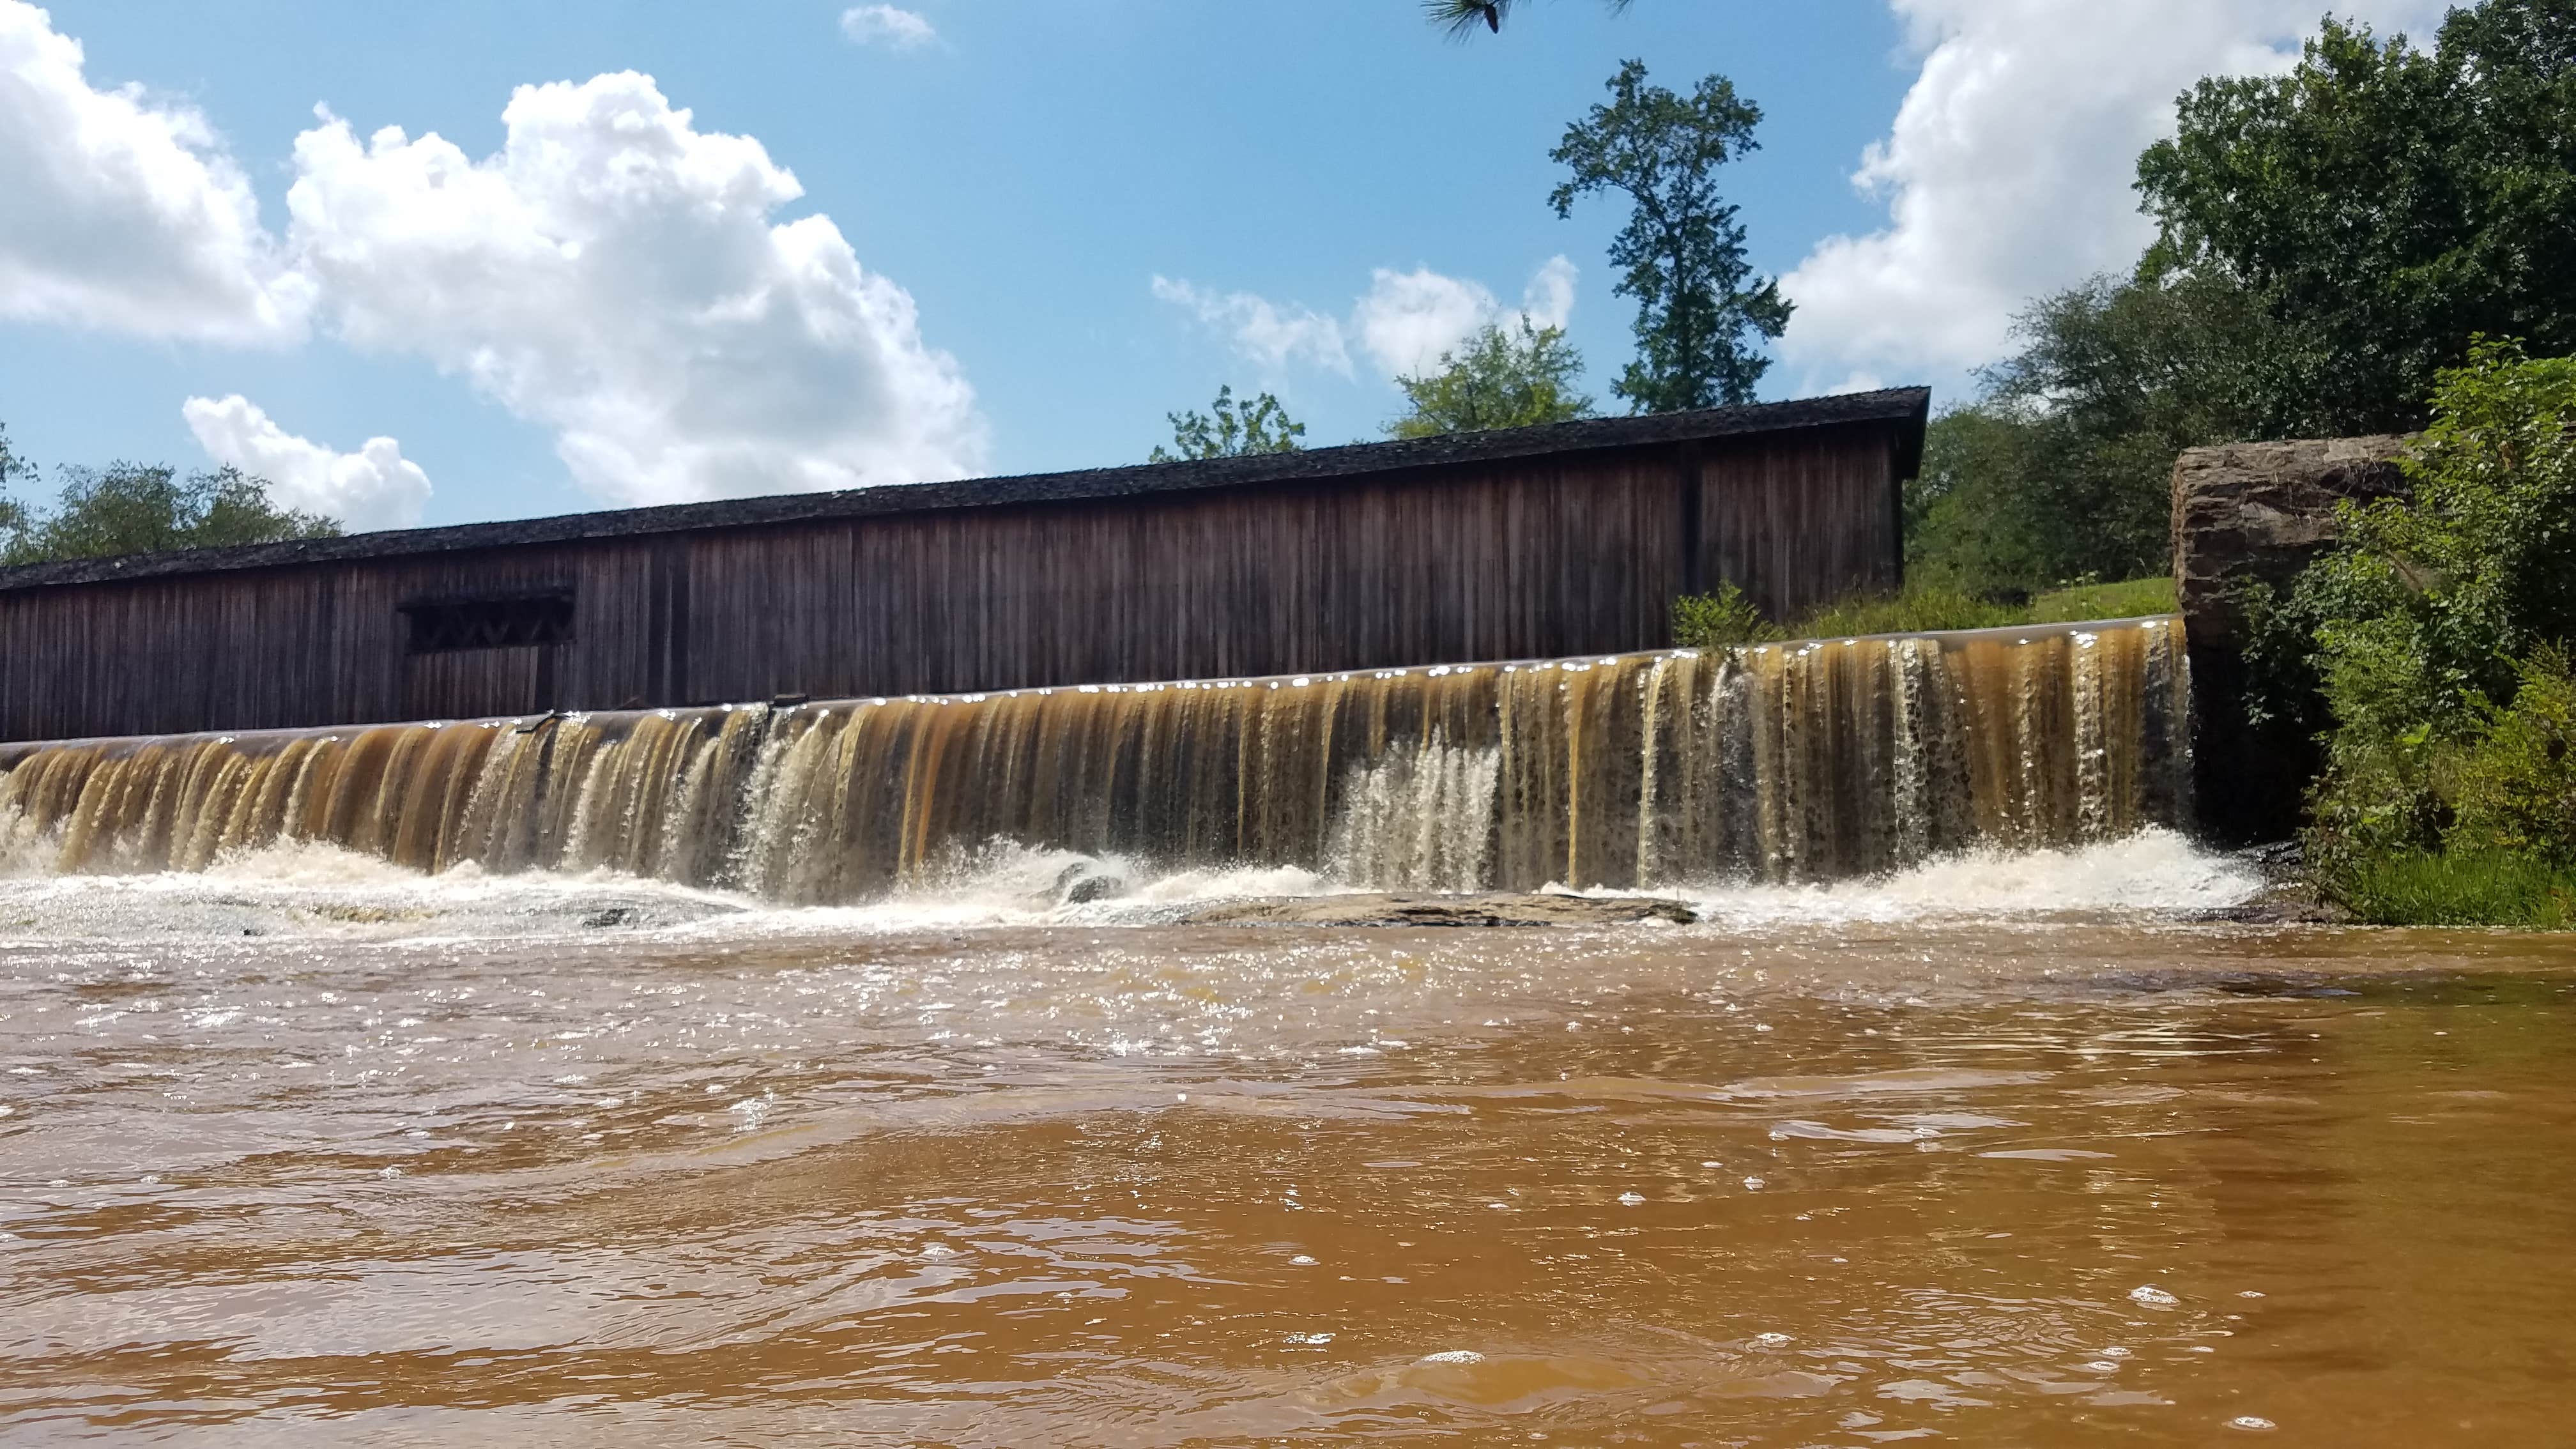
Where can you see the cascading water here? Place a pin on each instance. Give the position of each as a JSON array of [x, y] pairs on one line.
[[1786, 762]]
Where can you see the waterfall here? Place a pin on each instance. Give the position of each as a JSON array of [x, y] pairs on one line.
[[1783, 762]]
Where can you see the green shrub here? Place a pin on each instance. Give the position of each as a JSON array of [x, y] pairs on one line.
[[2513, 787], [2438, 632], [1719, 620]]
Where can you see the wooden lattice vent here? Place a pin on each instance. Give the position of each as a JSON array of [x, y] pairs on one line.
[[511, 621]]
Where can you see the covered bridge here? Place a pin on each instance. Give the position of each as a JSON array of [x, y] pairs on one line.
[[1571, 538]]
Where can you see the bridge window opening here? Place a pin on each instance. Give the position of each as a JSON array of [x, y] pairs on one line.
[[440, 626]]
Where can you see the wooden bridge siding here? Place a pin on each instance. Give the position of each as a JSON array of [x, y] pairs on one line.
[[1796, 522], [1538, 560], [1552, 555], [303, 646]]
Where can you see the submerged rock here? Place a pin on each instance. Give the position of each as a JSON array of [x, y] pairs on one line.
[[1498, 908], [1083, 882]]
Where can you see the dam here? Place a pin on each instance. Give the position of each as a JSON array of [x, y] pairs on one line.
[[1805, 761]]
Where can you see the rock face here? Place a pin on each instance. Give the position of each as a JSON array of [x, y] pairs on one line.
[[2260, 512], [1492, 909]]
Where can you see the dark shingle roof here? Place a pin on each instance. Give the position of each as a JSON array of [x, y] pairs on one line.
[[1903, 406]]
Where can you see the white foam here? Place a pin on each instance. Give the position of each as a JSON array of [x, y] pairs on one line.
[[2153, 870], [304, 889]]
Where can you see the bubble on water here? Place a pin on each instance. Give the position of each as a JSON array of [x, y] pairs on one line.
[[1752, 1184], [2252, 1423], [388, 1173], [2115, 1351], [1454, 1355], [7, 1110], [1310, 1338], [752, 1110], [2152, 1296], [1631, 1199], [2249, 1293], [1303, 1261], [2103, 1366], [1772, 1340]]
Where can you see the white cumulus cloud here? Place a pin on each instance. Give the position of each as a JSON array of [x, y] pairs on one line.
[[374, 487], [2007, 172], [613, 274], [1402, 323], [123, 212], [1262, 330], [1407, 319], [887, 25]]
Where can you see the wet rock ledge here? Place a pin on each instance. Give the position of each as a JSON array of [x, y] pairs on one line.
[[1501, 908]]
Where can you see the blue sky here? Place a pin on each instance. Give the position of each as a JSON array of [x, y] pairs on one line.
[[1025, 230]]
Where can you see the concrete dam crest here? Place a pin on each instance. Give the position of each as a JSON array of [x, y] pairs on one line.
[[1786, 762]]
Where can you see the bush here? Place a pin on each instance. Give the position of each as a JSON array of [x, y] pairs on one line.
[[1719, 620], [2513, 788], [2439, 632]]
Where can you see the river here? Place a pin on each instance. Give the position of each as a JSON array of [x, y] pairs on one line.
[[309, 1149]]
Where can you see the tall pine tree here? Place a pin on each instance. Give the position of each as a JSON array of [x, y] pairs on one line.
[[1701, 313]]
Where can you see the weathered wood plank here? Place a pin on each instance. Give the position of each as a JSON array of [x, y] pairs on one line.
[[1503, 553]]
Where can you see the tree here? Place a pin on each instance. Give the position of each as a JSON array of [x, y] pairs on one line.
[[1496, 379], [1461, 17], [1258, 425], [2384, 204], [2061, 468], [13, 514], [133, 508], [1682, 251]]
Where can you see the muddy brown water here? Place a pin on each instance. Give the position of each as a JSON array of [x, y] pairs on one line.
[[2064, 1180]]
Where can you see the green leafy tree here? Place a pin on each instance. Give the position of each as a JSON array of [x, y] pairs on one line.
[[1257, 425], [132, 508], [2383, 204], [13, 514], [1681, 254], [1496, 379], [2061, 469]]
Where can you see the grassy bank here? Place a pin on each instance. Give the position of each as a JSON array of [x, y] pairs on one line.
[[1727, 617], [2458, 888]]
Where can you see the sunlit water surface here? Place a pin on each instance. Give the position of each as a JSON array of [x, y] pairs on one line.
[[307, 1150]]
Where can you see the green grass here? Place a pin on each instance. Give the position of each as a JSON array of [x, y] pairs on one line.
[[1915, 611], [1727, 617], [2130, 600], [2459, 888]]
